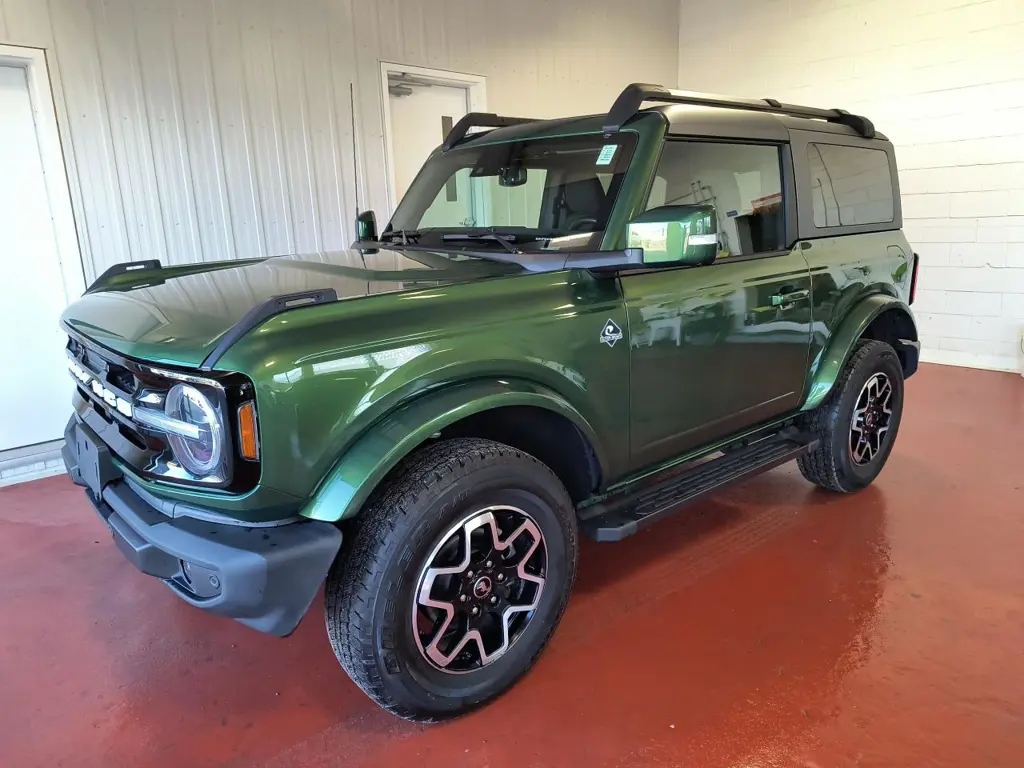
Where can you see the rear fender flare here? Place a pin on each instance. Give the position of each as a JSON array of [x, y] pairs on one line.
[[344, 490], [826, 367]]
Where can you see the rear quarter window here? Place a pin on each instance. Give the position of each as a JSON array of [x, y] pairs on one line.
[[850, 185]]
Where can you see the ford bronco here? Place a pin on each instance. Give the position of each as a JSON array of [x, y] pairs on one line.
[[568, 326]]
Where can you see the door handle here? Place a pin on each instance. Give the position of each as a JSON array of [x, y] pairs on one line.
[[787, 295]]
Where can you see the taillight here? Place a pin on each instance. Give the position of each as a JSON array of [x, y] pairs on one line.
[[913, 278]]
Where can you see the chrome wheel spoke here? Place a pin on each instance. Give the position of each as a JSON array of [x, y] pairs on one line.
[[885, 394], [478, 589], [858, 419], [862, 452]]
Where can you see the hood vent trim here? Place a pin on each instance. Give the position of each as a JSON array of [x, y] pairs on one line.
[[263, 312]]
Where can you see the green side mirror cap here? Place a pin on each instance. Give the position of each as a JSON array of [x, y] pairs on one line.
[[366, 226]]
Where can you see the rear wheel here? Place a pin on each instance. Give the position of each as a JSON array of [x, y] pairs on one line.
[[857, 425], [454, 580]]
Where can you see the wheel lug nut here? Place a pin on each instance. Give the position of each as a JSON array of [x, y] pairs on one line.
[[469, 574], [490, 564], [475, 610], [494, 598], [462, 598], [501, 577]]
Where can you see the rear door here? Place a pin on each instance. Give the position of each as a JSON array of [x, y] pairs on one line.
[[719, 348]]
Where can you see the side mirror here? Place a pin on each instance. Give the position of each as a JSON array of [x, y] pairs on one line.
[[676, 235], [366, 226]]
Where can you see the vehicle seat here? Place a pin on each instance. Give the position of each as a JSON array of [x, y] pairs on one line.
[[582, 199]]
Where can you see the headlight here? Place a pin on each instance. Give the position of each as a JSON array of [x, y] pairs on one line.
[[204, 454]]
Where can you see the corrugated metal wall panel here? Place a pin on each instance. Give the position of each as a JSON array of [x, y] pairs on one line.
[[192, 31], [210, 129], [100, 213]]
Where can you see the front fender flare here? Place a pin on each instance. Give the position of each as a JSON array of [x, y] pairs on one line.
[[364, 464], [826, 367]]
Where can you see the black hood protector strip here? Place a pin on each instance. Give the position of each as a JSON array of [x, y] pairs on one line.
[[263, 312]]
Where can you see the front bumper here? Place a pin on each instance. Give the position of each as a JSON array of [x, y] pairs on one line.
[[265, 577]]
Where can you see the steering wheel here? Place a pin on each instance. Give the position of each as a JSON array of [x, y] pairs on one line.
[[580, 223]]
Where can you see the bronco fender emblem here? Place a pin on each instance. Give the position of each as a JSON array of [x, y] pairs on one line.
[[610, 333]]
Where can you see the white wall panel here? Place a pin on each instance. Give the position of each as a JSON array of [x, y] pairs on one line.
[[944, 79], [197, 130]]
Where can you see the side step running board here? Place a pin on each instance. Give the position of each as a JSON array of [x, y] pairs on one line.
[[620, 516]]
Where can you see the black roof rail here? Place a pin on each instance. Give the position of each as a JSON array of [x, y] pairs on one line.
[[122, 268], [633, 96], [479, 120], [263, 312]]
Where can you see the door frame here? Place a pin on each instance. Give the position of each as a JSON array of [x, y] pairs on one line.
[[476, 88], [58, 188], [43, 459]]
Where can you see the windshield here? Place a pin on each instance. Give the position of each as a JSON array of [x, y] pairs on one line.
[[536, 194]]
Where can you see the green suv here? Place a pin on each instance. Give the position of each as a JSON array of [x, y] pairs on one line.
[[568, 326]]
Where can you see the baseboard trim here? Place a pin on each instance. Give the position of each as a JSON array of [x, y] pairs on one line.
[[33, 462], [971, 360]]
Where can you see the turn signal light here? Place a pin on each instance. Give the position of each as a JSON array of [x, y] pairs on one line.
[[247, 442]]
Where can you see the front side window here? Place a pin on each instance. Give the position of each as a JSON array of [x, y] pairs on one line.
[[849, 185], [539, 194], [742, 182]]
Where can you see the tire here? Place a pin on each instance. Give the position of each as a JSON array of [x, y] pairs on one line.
[[835, 464], [376, 585]]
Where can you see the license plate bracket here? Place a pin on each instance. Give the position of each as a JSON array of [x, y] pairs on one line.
[[95, 464]]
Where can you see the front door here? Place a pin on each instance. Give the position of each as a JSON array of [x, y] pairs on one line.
[[719, 348], [714, 350]]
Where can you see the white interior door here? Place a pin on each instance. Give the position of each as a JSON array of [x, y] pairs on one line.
[[35, 388], [420, 119]]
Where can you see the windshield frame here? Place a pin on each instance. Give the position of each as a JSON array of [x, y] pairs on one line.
[[413, 206]]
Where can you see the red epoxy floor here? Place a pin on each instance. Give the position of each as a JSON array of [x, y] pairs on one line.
[[775, 625]]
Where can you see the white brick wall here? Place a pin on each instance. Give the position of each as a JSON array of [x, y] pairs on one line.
[[944, 79]]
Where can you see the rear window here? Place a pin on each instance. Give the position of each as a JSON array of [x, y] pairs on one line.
[[850, 185]]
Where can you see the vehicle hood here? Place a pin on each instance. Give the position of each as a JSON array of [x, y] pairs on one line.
[[177, 315]]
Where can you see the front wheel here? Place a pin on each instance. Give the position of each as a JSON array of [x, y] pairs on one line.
[[456, 577], [856, 426]]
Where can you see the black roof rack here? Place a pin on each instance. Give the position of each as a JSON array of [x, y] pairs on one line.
[[479, 120], [633, 96]]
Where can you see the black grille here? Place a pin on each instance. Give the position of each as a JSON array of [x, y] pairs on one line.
[[122, 378], [140, 447]]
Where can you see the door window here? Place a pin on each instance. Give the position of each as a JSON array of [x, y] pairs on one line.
[[743, 182]]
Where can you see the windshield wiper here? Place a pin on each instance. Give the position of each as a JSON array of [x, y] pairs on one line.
[[407, 236], [484, 237]]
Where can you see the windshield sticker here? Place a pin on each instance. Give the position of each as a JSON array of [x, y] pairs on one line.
[[610, 333], [607, 153]]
